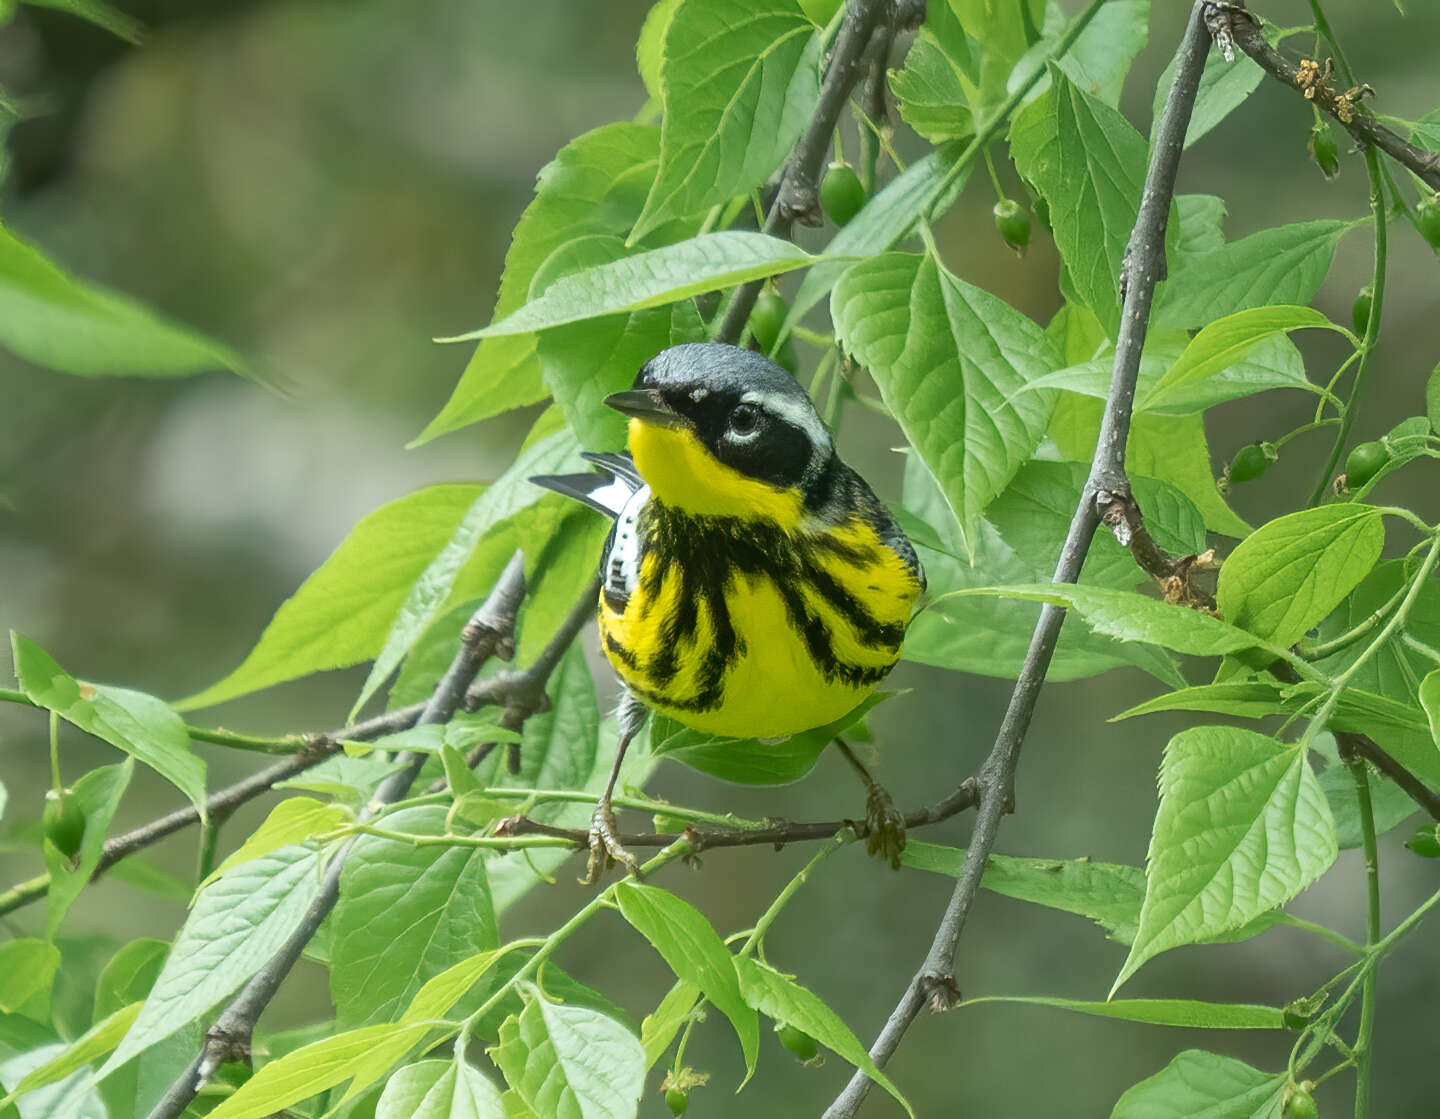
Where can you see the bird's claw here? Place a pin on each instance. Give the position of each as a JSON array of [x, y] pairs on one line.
[[605, 847], [885, 825]]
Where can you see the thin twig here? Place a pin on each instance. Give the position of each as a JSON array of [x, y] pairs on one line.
[[1412, 786], [489, 631], [1144, 264], [1342, 105]]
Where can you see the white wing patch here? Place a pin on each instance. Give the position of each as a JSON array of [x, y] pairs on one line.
[[622, 559]]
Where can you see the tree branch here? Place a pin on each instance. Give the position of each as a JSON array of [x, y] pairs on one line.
[[489, 632], [1363, 746], [798, 196], [1144, 265], [1343, 105]]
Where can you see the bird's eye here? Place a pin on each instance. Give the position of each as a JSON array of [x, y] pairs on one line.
[[744, 420]]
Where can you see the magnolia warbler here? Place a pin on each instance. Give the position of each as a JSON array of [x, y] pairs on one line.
[[753, 585]]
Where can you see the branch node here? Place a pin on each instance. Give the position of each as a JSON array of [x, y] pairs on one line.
[[940, 992]]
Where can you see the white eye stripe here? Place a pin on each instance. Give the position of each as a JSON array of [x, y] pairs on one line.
[[794, 412]]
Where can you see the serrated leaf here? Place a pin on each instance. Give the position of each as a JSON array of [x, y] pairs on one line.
[[1200, 1085], [1173, 449], [141, 725], [291, 821], [98, 795], [778, 995], [596, 184], [1089, 164], [930, 92], [341, 613], [362, 1056], [439, 1090], [235, 926], [1184, 1013], [432, 589], [694, 951], [1242, 828], [1099, 60], [706, 262], [27, 972], [59, 322], [1230, 340], [94, 1043], [650, 46], [71, 1098], [1289, 574], [1131, 616], [406, 913], [1248, 700], [1284, 265], [950, 361], [740, 79], [571, 1062]]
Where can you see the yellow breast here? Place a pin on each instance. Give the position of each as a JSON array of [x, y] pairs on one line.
[[740, 628]]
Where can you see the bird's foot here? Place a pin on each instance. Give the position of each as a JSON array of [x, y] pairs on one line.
[[885, 826], [605, 846]]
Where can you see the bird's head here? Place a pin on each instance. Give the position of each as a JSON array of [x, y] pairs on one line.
[[721, 431]]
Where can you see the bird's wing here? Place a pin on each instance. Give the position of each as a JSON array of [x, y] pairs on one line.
[[606, 490], [619, 464]]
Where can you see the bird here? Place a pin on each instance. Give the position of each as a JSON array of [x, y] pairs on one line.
[[752, 585]]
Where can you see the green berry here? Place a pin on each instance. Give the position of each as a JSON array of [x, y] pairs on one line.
[[1360, 312], [1324, 150], [1250, 462], [677, 1100], [1425, 842], [1427, 219], [64, 822], [842, 195], [1013, 222], [767, 318], [1364, 463], [1301, 1104], [798, 1042]]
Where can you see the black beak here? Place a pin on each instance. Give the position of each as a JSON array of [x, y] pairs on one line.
[[646, 405]]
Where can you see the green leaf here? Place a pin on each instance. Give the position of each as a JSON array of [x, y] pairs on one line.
[[570, 1061], [649, 48], [362, 1055], [443, 991], [1130, 616], [72, 1098], [98, 795], [740, 80], [1200, 1085], [749, 761], [433, 589], [664, 1022], [1432, 399], [1099, 60], [1390, 805], [236, 925], [341, 613], [596, 184], [930, 92], [129, 974], [706, 262], [1110, 894], [137, 723], [1430, 700], [1248, 700], [1289, 574], [1224, 86], [695, 953], [439, 1090], [1088, 162], [1229, 340], [778, 995], [950, 361], [1201, 218], [27, 972], [406, 913], [1173, 449], [1185, 1013], [59, 322], [1242, 828], [990, 636], [291, 821], [886, 218], [94, 1043], [107, 16], [1284, 265]]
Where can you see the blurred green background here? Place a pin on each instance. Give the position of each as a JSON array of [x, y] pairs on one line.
[[327, 186]]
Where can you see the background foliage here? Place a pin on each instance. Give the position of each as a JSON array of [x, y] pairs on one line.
[[326, 187]]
